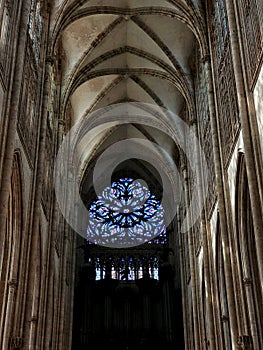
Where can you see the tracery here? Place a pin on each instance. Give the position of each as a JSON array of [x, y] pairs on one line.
[[125, 214]]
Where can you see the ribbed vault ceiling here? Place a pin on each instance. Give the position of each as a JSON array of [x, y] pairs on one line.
[[125, 50]]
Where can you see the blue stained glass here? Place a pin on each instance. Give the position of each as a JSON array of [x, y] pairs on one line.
[[98, 277], [156, 273], [125, 214]]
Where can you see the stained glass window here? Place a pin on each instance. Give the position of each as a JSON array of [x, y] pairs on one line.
[[98, 277], [126, 269], [140, 272], [155, 273], [125, 214], [132, 273]]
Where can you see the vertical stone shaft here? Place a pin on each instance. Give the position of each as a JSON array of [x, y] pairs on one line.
[[254, 189], [183, 282], [222, 207], [192, 264], [204, 233]]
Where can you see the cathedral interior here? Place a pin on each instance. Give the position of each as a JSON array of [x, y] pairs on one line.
[[131, 187]]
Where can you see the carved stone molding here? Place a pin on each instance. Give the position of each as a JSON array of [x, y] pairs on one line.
[[34, 319], [17, 343], [12, 283], [247, 281], [224, 318], [244, 341]]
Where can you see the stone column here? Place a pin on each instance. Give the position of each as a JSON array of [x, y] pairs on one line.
[[32, 335], [63, 254], [183, 284], [62, 343], [251, 312], [71, 291], [12, 286], [206, 259], [222, 205], [40, 166], [248, 134], [194, 283], [60, 320]]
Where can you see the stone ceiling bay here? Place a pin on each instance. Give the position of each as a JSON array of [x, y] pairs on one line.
[[119, 51], [89, 46]]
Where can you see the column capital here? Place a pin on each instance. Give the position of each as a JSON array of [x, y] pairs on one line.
[[34, 319], [12, 283], [247, 281], [224, 318]]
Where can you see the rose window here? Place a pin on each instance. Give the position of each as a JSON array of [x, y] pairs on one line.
[[125, 214]]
